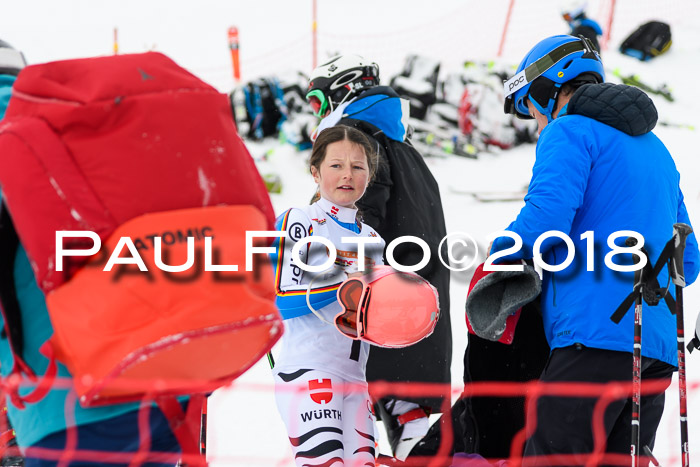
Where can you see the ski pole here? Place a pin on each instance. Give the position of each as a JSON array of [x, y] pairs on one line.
[[681, 232], [636, 360], [203, 429], [650, 455]]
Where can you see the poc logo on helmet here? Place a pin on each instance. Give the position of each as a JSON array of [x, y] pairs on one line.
[[516, 82]]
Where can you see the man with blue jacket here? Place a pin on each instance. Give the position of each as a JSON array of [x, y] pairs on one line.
[[599, 171]]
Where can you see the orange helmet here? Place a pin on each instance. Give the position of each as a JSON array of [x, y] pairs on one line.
[[387, 308]]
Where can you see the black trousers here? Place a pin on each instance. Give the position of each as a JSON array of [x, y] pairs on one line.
[[498, 419], [486, 425], [564, 423]]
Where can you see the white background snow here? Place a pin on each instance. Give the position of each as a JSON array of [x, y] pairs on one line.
[[244, 427]]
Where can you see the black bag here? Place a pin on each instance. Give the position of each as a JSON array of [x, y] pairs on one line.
[[259, 108], [648, 41]]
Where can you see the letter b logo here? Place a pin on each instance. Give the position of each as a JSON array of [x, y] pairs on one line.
[[296, 231]]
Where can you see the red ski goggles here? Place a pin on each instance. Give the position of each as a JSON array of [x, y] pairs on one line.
[[354, 296], [318, 102]]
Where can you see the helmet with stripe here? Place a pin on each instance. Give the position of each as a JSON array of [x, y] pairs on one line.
[[335, 81], [546, 67]]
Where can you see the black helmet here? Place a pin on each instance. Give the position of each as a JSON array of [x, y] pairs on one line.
[[333, 82], [11, 60]]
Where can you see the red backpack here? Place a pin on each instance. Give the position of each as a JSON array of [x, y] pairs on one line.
[[136, 146]]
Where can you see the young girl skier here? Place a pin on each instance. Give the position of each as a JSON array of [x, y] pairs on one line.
[[320, 384]]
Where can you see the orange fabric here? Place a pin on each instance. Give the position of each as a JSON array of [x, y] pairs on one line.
[[196, 330]]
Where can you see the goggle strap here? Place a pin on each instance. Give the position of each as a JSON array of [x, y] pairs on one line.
[[547, 111], [350, 91]]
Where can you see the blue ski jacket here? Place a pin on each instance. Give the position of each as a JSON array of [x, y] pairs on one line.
[[586, 22], [380, 106], [599, 169]]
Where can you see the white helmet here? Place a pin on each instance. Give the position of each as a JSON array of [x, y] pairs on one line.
[[570, 9], [11, 60], [333, 82]]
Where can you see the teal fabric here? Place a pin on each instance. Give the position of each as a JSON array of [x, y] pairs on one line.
[[48, 415], [6, 82]]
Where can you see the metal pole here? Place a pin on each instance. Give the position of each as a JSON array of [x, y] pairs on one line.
[[681, 232], [606, 33], [234, 45], [636, 361], [505, 27], [314, 35]]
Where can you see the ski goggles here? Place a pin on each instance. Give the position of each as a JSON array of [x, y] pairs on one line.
[[354, 296], [539, 67], [318, 101]]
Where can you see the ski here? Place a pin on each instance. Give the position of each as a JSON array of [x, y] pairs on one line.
[[492, 196], [682, 126], [449, 141], [427, 150], [634, 80], [431, 146]]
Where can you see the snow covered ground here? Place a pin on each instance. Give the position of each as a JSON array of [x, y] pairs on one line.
[[244, 427]]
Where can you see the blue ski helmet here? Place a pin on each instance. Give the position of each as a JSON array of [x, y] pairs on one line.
[[551, 63]]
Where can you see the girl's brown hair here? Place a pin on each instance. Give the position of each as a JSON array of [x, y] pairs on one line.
[[341, 133]]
